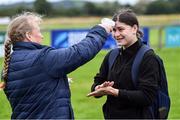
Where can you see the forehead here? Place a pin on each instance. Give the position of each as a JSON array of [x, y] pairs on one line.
[[120, 24]]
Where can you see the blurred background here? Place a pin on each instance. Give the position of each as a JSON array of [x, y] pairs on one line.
[[65, 22]]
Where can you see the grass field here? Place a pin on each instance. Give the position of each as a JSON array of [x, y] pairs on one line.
[[83, 78], [90, 108]]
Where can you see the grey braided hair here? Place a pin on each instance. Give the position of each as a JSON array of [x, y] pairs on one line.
[[16, 31]]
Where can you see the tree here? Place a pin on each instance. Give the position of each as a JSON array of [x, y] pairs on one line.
[[140, 6], [176, 4], [159, 7], [21, 9], [90, 8], [111, 7], [43, 7]]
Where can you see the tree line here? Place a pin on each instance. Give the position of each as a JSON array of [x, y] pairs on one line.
[[84, 8]]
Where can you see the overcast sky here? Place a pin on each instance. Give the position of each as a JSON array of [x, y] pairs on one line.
[[120, 1]]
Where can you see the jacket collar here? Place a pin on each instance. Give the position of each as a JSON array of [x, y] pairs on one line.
[[27, 45], [132, 50]]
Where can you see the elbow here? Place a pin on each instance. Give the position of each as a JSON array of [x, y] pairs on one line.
[[149, 99]]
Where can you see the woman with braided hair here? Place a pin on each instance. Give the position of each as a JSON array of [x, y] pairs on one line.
[[35, 76], [15, 33]]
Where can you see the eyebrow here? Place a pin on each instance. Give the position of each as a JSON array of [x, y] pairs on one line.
[[120, 27]]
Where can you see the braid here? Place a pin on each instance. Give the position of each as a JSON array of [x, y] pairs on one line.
[[16, 31], [7, 49]]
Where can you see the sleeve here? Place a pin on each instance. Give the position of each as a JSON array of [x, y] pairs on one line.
[[147, 84], [102, 76], [63, 61]]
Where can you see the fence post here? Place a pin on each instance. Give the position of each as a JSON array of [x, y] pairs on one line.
[[160, 44]]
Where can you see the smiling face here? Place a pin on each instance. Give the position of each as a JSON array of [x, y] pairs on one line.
[[126, 30], [124, 34]]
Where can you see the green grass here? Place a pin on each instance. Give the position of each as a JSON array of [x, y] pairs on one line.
[[91, 108], [85, 107], [171, 61]]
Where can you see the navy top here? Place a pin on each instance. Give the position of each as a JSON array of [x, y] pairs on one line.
[[37, 85]]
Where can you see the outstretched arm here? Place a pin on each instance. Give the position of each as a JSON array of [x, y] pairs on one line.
[[64, 61]]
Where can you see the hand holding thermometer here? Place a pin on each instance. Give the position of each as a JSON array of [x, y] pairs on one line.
[[107, 21]]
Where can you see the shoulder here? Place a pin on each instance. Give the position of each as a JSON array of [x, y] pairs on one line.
[[40, 54], [113, 53], [150, 53], [150, 57]]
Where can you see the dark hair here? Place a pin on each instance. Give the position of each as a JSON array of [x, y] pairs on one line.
[[128, 17]]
